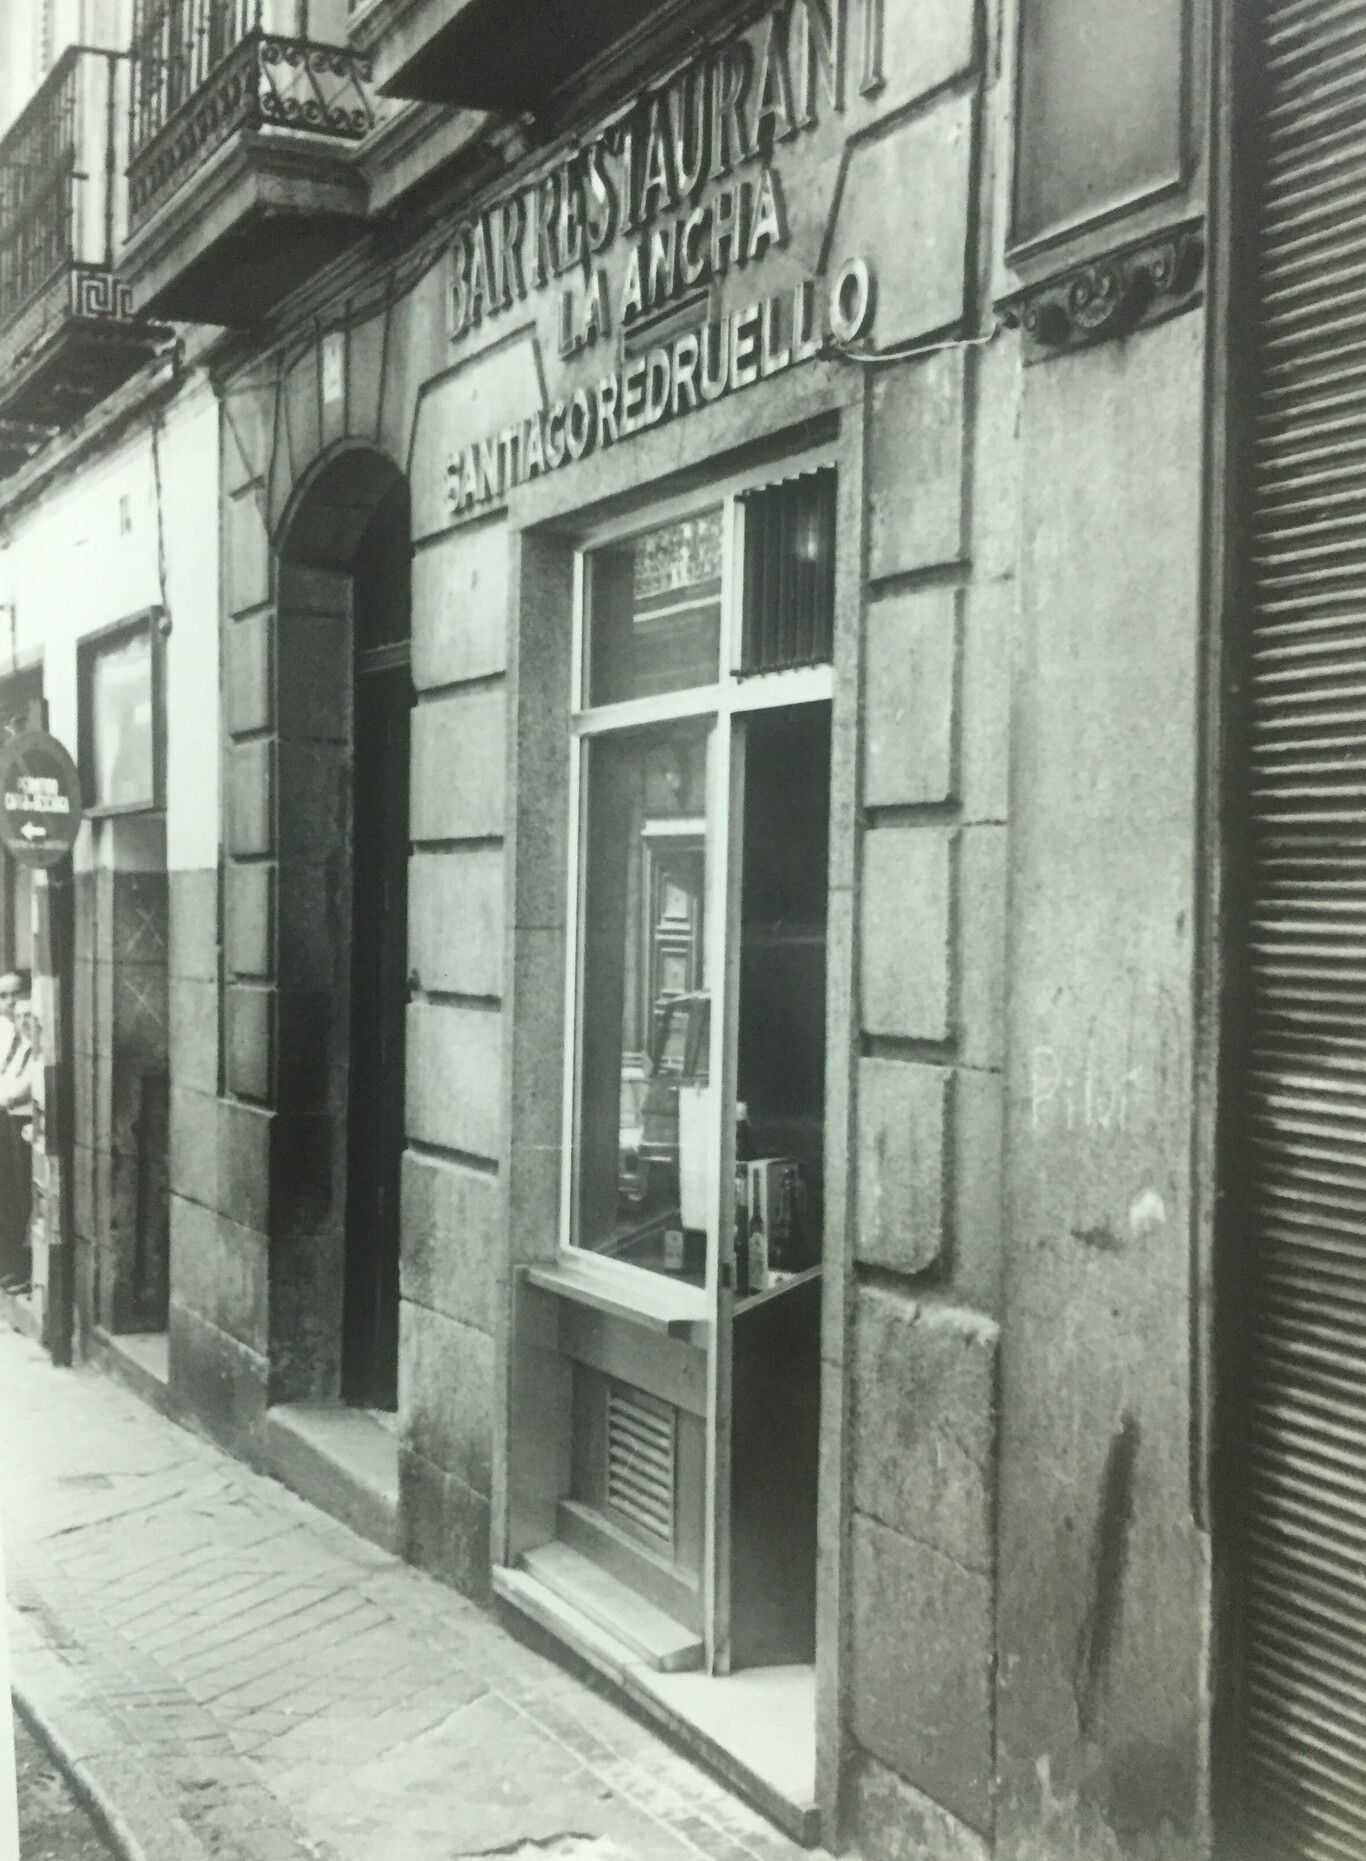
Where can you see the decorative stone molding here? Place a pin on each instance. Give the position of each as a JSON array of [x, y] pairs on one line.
[[1110, 296]]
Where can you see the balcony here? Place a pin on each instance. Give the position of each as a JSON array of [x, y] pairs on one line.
[[67, 333], [242, 180]]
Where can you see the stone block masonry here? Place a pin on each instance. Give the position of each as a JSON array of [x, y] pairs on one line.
[[924, 1424]]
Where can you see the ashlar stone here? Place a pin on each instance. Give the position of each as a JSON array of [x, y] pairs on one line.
[[921, 1681], [910, 699], [916, 502], [460, 606], [906, 933], [925, 1422], [903, 1161]]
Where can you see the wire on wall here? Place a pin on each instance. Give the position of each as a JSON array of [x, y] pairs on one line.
[[904, 352], [161, 522]]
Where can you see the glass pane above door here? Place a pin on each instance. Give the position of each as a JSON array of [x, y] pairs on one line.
[[654, 611]]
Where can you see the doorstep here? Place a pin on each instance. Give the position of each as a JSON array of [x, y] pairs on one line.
[[342, 1460], [754, 1730], [19, 1310], [140, 1360]]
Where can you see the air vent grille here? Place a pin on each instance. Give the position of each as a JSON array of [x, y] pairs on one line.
[[641, 1463]]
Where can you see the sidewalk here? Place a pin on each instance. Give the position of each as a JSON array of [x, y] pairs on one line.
[[233, 1675]]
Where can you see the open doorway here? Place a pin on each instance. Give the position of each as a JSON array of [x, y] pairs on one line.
[[381, 712], [344, 698]]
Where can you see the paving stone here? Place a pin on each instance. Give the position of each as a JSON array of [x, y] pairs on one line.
[[232, 1675]]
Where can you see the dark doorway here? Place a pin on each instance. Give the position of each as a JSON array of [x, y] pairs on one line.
[[383, 698]]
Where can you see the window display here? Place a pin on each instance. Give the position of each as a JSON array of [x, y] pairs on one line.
[[703, 868], [645, 1018]]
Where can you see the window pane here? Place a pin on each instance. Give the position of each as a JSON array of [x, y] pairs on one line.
[[121, 723], [655, 611], [645, 1011]]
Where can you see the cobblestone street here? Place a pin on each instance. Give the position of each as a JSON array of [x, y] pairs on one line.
[[233, 1675]]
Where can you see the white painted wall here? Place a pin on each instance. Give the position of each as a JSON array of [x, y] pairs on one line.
[[87, 554]]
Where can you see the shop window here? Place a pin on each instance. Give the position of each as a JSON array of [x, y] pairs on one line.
[[120, 749], [123, 1069], [701, 779]]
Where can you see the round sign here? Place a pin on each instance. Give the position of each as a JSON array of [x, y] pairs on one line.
[[40, 799]]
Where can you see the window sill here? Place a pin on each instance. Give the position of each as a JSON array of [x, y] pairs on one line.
[[776, 1292], [671, 1310]]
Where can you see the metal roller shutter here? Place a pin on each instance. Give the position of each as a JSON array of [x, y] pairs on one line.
[[1305, 1471]]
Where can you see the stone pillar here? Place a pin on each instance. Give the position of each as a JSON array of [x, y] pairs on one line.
[[928, 1116], [451, 1189]]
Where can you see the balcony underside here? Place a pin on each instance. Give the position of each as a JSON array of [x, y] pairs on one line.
[[491, 54], [240, 233], [18, 443], [70, 347], [559, 61]]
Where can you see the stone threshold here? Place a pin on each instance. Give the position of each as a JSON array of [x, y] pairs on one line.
[[756, 1731], [140, 1360], [342, 1460], [19, 1310]]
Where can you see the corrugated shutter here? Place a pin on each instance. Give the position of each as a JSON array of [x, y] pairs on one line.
[[1305, 1473]]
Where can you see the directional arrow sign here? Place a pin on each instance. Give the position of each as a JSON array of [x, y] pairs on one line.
[[40, 799]]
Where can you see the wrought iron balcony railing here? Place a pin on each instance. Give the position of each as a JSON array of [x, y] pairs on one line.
[[205, 69], [59, 181], [67, 331]]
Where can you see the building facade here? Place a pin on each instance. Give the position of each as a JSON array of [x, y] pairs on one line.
[[749, 835]]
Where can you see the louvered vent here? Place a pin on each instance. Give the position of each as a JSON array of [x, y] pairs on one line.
[[789, 614], [641, 1462], [1305, 1476]]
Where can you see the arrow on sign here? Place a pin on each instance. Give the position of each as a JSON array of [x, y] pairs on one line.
[[31, 832]]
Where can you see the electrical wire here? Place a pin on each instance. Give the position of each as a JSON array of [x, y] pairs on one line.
[[902, 352], [157, 424]]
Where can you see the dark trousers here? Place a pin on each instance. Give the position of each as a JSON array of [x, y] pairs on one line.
[[16, 1195]]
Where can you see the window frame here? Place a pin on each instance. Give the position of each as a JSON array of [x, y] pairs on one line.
[[88, 651], [726, 703]]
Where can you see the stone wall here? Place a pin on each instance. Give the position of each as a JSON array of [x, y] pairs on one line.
[[451, 1192], [939, 641]]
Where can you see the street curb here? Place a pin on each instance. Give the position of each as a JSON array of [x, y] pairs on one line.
[[133, 1838], [92, 1797]]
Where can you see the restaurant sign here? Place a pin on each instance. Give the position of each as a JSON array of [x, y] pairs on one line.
[[639, 228]]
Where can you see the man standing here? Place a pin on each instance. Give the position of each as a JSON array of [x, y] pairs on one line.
[[16, 1060]]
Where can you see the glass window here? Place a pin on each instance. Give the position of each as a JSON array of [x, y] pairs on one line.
[[122, 769], [655, 611], [678, 990], [645, 1008]]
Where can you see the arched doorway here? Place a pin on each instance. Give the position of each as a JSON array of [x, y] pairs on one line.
[[345, 563]]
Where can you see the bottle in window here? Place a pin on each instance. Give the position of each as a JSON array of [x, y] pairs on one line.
[[744, 1152]]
